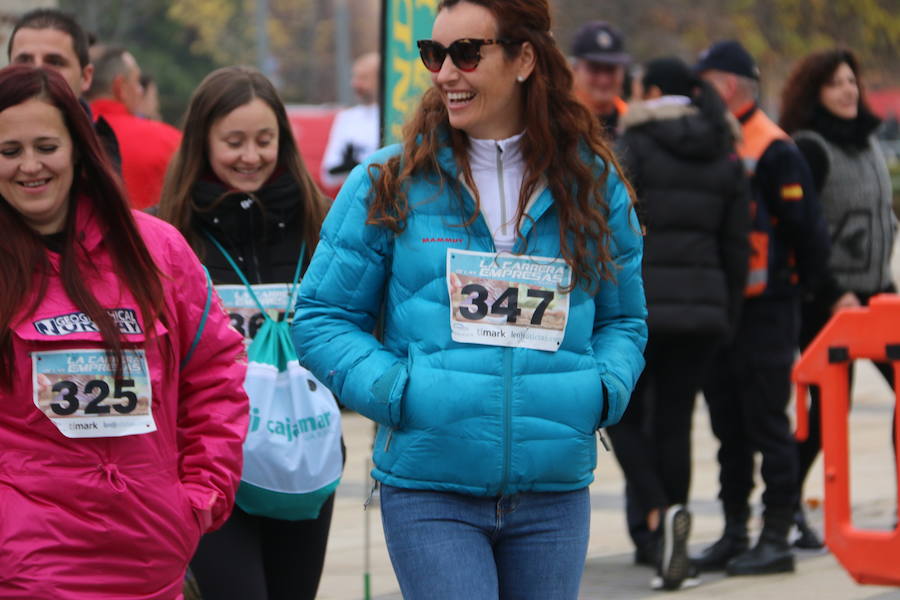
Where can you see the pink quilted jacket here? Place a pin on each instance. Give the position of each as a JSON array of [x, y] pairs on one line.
[[119, 517]]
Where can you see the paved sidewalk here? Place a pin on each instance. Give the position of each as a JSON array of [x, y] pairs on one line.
[[610, 573]]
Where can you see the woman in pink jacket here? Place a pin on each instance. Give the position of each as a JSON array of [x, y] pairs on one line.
[[122, 411]]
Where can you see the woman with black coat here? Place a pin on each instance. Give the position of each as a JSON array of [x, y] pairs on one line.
[[678, 149], [238, 178]]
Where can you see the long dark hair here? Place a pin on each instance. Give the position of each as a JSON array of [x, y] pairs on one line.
[[218, 94], [22, 252], [560, 142], [800, 96]]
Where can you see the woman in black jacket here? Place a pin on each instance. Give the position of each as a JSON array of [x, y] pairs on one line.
[[238, 178], [678, 149]]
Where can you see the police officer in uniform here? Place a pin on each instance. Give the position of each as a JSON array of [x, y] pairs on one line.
[[749, 383]]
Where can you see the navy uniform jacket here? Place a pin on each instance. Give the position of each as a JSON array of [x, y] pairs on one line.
[[789, 240]]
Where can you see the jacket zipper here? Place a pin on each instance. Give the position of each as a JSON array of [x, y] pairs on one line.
[[254, 258], [507, 417], [507, 375], [246, 256], [507, 352], [501, 185]]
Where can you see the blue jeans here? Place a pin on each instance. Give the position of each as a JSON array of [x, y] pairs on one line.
[[450, 546]]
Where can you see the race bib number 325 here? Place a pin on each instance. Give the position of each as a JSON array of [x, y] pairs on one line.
[[505, 300], [79, 392]]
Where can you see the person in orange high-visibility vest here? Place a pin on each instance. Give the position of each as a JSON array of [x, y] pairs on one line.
[[749, 385], [598, 68]]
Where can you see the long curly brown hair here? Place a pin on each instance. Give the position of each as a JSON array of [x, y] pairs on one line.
[[800, 95], [561, 142]]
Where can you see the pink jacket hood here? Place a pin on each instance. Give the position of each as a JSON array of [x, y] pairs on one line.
[[120, 517]]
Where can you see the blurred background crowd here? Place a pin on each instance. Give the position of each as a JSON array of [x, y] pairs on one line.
[[310, 45]]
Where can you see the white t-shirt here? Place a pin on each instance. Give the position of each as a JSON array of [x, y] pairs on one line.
[[499, 170], [355, 131]]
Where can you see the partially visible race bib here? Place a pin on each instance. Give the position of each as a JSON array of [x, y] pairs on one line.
[[80, 394], [243, 311], [504, 300]]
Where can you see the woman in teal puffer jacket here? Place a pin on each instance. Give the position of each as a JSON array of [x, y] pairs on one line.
[[503, 249]]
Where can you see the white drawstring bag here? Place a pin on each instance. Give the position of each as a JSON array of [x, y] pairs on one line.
[[292, 454]]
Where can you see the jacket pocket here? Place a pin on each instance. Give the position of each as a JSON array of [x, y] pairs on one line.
[[615, 401], [604, 406], [193, 527], [389, 389]]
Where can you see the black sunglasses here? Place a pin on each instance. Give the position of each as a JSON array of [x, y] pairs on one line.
[[465, 53]]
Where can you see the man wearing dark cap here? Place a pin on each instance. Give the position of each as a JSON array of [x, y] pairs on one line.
[[598, 51], [749, 384]]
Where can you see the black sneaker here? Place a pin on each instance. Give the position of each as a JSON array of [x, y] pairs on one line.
[[674, 564], [691, 581]]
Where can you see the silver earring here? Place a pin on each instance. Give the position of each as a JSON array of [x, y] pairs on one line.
[[520, 78]]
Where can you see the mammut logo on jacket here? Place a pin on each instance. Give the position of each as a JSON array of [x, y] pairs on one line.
[[446, 240], [78, 322]]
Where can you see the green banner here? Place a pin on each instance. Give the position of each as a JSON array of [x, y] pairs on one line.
[[404, 77]]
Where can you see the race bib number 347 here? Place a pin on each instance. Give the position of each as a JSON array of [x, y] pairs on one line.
[[81, 395], [503, 300]]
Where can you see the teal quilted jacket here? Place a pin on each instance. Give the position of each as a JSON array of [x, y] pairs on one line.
[[476, 419]]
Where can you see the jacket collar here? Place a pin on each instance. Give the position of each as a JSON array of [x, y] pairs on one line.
[[745, 113], [666, 108], [238, 216], [87, 108], [107, 106], [845, 132], [483, 153], [88, 230], [537, 205], [445, 159]]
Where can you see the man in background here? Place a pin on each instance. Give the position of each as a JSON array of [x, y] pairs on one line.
[[355, 133], [51, 39], [149, 104], [146, 145], [599, 62], [749, 385]]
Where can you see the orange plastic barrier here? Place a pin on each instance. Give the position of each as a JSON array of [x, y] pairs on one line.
[[873, 332]]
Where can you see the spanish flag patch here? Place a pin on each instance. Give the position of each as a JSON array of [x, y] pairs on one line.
[[792, 191]]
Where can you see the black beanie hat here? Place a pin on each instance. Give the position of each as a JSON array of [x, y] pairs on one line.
[[671, 75]]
